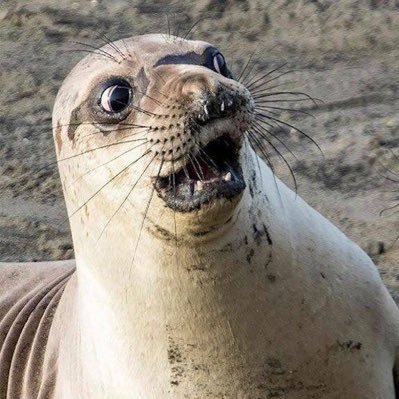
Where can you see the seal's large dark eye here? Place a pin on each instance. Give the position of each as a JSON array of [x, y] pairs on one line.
[[213, 59], [219, 63], [116, 98]]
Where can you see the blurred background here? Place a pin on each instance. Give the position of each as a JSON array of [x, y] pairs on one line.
[[343, 53]]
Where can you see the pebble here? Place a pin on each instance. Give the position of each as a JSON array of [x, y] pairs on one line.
[[3, 14], [392, 122]]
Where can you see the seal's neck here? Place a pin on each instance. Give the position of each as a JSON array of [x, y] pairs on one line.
[[170, 304]]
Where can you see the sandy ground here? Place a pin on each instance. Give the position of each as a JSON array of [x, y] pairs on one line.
[[345, 53]]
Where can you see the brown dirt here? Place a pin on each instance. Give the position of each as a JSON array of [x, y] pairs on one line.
[[345, 53]]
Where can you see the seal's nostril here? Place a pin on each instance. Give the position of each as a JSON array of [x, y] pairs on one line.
[[229, 103], [216, 106]]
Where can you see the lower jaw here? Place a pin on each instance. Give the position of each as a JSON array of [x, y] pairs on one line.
[[184, 201]]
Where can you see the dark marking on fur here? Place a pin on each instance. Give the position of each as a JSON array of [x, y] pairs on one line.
[[228, 220], [143, 80], [253, 179], [271, 278], [58, 137], [258, 234], [268, 237], [74, 122], [227, 248], [199, 267], [163, 232], [269, 260], [350, 345], [190, 58], [251, 191], [396, 381], [250, 255], [201, 233], [175, 359]]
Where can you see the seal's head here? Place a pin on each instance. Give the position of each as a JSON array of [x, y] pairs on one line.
[[148, 115]]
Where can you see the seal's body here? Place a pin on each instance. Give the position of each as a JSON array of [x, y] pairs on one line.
[[198, 273]]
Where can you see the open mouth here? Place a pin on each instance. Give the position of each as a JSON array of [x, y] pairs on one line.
[[213, 173]]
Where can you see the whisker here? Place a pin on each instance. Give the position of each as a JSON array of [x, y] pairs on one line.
[[292, 100], [94, 149], [292, 110], [192, 28], [201, 154], [83, 153], [257, 83], [167, 17], [127, 196], [80, 138], [99, 50], [132, 125], [241, 76], [266, 89], [106, 163], [258, 124], [199, 173], [389, 209], [256, 144], [293, 127], [278, 93], [281, 156], [108, 182], [174, 211], [136, 108], [275, 113], [106, 40], [151, 98], [390, 179], [388, 170], [88, 51], [257, 78], [145, 215]]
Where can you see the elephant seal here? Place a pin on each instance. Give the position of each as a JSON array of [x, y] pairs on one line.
[[198, 273]]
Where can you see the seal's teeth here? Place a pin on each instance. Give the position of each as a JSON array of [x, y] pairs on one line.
[[206, 111], [222, 106], [227, 177], [199, 185]]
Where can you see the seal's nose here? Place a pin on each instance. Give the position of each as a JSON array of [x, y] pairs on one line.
[[205, 94], [221, 105]]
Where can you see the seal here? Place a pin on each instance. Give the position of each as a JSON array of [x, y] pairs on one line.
[[198, 273]]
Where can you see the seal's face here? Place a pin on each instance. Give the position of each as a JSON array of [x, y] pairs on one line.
[[174, 105], [198, 135]]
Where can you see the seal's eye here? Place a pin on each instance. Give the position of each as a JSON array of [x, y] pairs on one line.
[[116, 98], [219, 63]]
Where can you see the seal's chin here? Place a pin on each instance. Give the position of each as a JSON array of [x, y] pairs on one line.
[[214, 174]]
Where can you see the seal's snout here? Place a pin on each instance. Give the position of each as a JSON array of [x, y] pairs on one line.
[[201, 163], [197, 129]]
